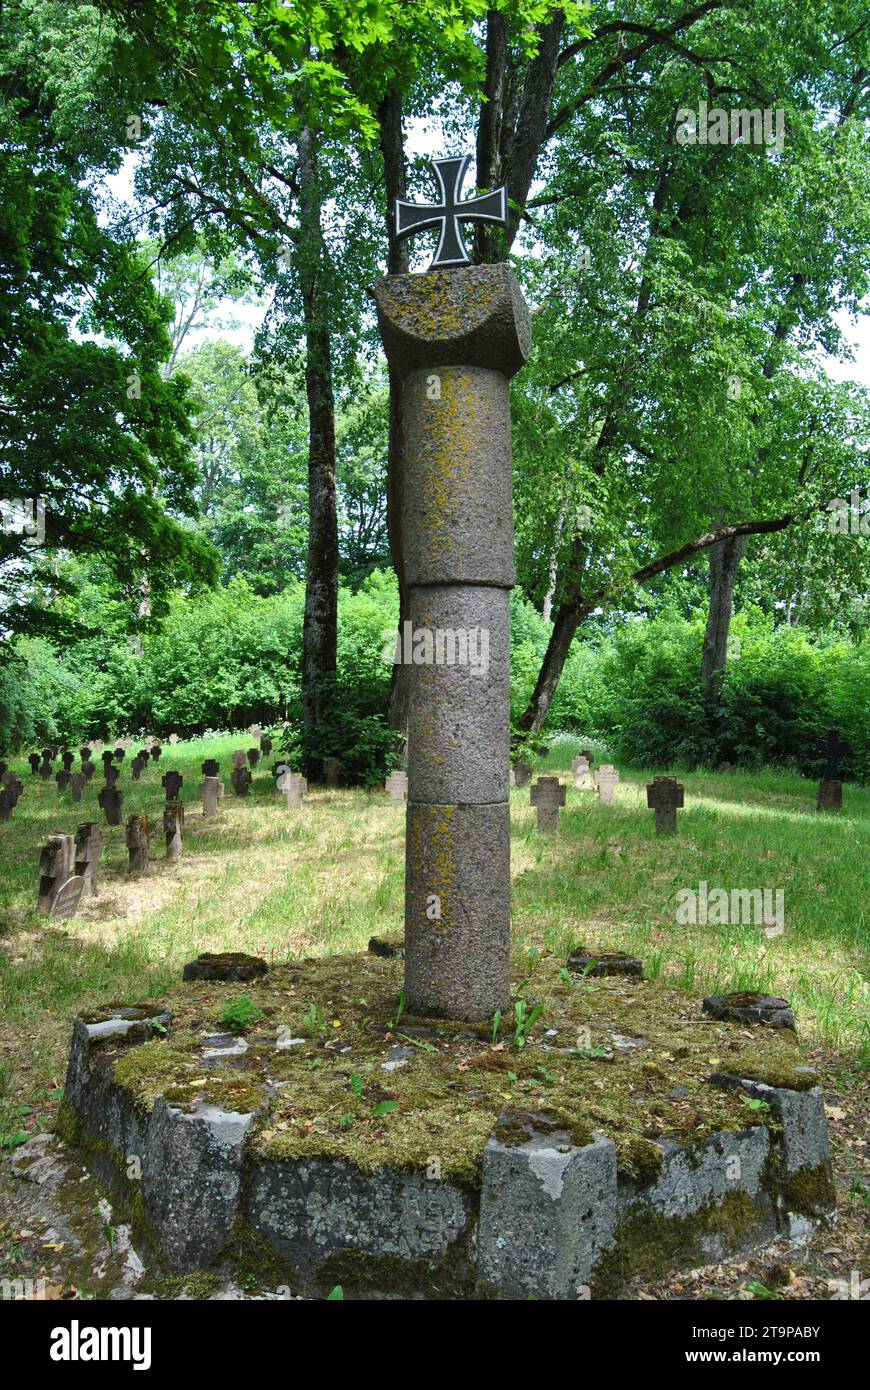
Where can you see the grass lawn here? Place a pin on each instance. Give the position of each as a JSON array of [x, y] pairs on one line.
[[288, 885]]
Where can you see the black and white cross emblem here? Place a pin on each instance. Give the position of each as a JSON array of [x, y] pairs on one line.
[[449, 212]]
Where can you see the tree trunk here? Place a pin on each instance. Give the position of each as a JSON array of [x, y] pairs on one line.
[[567, 621], [725, 559], [320, 629], [393, 151], [553, 567]]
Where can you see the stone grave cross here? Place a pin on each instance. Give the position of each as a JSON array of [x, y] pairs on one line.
[[548, 796], [664, 795], [606, 778]]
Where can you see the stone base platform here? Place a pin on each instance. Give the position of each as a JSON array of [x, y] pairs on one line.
[[341, 1142]]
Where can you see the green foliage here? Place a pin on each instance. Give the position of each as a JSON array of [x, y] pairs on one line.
[[240, 1013], [90, 424], [638, 690], [524, 1021]]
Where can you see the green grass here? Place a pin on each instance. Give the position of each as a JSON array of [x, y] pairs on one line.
[[286, 885]]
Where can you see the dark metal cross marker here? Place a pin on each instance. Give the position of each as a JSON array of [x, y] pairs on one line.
[[450, 211]]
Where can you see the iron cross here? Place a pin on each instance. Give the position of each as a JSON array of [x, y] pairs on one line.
[[449, 212]]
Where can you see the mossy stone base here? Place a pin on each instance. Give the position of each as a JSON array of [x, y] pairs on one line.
[[405, 1157]]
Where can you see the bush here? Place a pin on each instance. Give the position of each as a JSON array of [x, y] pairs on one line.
[[638, 690]]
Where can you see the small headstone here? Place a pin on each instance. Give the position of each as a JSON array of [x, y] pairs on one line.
[[89, 847], [265, 745], [665, 796], [155, 753], [749, 1007], [725, 767], [172, 782], [583, 779], [56, 862], [45, 769], [240, 758], [108, 758], [548, 796], [582, 962], [66, 902], [120, 753], [225, 965], [290, 784], [88, 770], [173, 824], [211, 768], [241, 780], [34, 763], [388, 950], [112, 774], [77, 785], [173, 739], [138, 837], [606, 778], [110, 801], [143, 754], [331, 770], [8, 801], [136, 767], [522, 773], [211, 790], [62, 780], [588, 755], [68, 758], [396, 786], [253, 757], [85, 753], [256, 732]]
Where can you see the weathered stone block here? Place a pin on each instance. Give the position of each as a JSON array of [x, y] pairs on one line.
[[548, 1209], [457, 910], [191, 1180], [458, 738], [315, 1209]]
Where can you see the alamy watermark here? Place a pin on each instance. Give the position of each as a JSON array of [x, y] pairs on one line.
[[850, 518], [23, 516], [760, 907], [440, 646], [712, 125]]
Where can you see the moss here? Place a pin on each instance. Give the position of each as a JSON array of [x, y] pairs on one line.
[[141, 1229], [199, 1286], [67, 1124], [451, 1089], [363, 1275], [256, 1264], [810, 1192], [641, 1162], [146, 1071], [222, 1087], [649, 1244]]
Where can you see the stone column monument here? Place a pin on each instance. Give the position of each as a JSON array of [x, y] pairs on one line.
[[455, 337]]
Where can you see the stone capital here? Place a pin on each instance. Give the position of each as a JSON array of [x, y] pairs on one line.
[[474, 316]]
